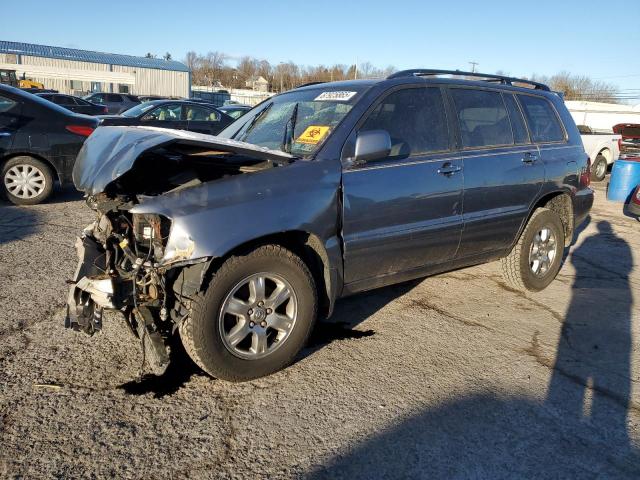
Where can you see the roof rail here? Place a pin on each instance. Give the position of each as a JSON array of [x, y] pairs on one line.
[[425, 72]]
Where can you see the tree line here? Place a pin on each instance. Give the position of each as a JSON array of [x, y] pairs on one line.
[[216, 69]]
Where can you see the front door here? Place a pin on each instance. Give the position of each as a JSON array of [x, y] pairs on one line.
[[168, 115], [403, 213]]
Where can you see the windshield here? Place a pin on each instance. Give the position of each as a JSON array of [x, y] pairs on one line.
[[297, 122], [138, 109]]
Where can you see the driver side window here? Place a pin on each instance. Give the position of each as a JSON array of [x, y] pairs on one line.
[[415, 120], [168, 113]]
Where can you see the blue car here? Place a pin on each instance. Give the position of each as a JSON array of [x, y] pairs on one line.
[[238, 243]]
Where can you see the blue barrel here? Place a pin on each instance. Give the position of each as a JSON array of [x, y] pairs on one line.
[[625, 176]]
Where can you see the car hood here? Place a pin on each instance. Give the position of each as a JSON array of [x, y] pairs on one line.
[[110, 152]]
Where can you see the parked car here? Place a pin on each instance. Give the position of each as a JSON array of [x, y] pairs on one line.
[[217, 98], [115, 102], [177, 114], [603, 149], [630, 138], [235, 111], [240, 241], [39, 141], [75, 104]]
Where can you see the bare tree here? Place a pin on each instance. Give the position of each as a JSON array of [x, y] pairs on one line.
[[580, 87]]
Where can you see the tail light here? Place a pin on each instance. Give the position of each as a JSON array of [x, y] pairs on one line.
[[81, 130], [620, 144], [105, 110], [635, 198]]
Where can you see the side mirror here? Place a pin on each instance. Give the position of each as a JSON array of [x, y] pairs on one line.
[[372, 145]]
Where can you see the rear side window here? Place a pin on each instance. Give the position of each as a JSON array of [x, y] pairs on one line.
[[6, 104], [520, 134], [542, 119], [482, 117], [415, 119], [114, 98]]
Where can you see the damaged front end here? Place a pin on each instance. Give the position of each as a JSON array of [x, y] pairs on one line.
[[138, 258]]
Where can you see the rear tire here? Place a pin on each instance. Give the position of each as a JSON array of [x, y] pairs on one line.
[[26, 180], [207, 332], [536, 259], [599, 169]]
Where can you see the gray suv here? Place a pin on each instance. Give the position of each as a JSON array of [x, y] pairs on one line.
[[115, 103], [239, 242]]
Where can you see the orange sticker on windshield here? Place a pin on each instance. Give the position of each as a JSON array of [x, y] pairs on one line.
[[313, 134]]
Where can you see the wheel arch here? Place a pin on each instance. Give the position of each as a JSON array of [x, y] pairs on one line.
[[606, 153], [560, 202], [309, 247]]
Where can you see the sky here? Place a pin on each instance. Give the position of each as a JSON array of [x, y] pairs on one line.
[[594, 38]]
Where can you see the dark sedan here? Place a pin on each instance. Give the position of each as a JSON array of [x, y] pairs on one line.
[[235, 110], [176, 114], [75, 104], [39, 142]]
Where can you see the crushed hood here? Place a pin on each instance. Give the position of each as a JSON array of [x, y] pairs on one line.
[[110, 152]]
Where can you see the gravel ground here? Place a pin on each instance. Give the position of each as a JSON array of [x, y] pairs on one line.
[[454, 376]]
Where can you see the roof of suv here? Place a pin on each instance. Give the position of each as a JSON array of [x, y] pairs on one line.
[[435, 76]]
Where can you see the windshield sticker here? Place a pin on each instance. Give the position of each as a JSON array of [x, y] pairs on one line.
[[313, 134], [342, 96]]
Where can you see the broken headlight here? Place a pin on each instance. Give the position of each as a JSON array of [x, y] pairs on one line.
[[151, 232]]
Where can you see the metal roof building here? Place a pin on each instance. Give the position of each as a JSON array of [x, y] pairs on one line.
[[70, 70]]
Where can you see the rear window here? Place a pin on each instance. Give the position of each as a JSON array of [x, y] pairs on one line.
[[544, 124], [482, 117], [114, 98]]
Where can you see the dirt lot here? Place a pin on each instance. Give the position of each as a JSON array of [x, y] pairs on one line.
[[455, 376]]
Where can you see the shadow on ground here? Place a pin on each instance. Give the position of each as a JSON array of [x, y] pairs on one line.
[[351, 312], [17, 222], [579, 431], [179, 372]]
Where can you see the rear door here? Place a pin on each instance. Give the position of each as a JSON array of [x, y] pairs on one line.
[[503, 171], [403, 212], [203, 119]]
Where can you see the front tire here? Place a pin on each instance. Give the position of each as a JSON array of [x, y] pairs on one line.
[[254, 317], [599, 169], [535, 260], [26, 181]]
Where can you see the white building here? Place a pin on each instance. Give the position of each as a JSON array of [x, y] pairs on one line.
[[74, 71]]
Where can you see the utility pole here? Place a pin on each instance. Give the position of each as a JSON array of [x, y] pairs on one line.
[[473, 66]]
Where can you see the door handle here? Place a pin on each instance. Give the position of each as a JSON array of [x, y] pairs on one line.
[[449, 169], [529, 157]]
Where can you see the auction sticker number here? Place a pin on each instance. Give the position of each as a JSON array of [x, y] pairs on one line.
[[313, 134], [339, 96]]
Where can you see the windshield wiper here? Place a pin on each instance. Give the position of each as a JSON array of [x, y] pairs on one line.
[[253, 121], [288, 134]]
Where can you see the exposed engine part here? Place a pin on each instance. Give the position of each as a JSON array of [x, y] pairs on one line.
[[155, 350]]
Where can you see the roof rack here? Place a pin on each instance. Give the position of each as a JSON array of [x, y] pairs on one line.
[[425, 72]]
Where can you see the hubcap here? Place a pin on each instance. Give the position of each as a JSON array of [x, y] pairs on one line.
[[600, 169], [24, 181], [258, 315], [543, 251]]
